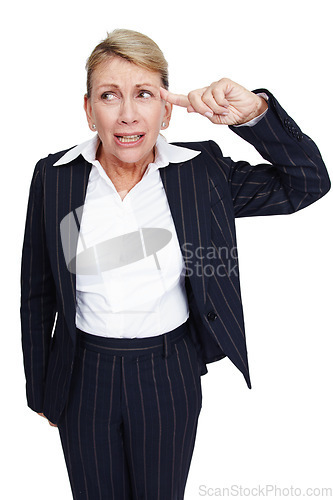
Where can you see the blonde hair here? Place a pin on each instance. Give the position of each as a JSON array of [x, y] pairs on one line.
[[133, 46]]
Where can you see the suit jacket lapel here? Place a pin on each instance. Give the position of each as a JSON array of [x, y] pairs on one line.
[[188, 198]]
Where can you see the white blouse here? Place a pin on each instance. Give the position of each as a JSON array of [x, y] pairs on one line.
[[133, 283]]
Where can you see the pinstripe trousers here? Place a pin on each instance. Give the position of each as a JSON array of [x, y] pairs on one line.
[[129, 427]]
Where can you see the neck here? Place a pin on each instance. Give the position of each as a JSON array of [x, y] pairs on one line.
[[123, 175]]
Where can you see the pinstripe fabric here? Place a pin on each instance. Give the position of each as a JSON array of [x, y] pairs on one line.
[[47, 290], [129, 428], [205, 195], [212, 191]]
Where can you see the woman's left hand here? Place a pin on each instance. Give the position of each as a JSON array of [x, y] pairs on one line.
[[52, 425], [223, 102]]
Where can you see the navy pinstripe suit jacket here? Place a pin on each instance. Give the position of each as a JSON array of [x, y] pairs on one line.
[[205, 195]]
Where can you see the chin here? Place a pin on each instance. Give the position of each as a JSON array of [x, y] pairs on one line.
[[130, 156]]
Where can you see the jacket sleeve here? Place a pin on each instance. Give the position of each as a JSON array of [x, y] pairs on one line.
[[38, 296], [295, 176]]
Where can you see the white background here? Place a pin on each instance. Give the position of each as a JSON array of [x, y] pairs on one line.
[[280, 432]]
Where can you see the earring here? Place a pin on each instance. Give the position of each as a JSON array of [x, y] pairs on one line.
[[163, 125], [93, 126]]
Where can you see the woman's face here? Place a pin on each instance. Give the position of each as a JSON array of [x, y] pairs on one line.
[[127, 109]]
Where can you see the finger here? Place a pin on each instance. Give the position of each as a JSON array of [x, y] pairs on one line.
[[177, 99], [197, 104], [216, 102], [220, 97], [52, 425]]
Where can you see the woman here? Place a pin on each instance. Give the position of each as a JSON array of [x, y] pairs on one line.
[[131, 242]]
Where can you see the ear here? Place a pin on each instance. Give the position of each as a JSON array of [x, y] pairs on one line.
[[88, 110], [167, 114]]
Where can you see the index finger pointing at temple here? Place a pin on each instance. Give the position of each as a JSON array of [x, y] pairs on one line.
[[177, 99]]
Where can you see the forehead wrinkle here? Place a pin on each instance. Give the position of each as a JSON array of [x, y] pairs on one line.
[[118, 87], [145, 85], [114, 85], [108, 72]]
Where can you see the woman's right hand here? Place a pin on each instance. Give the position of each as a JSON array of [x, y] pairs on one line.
[[223, 102], [52, 425]]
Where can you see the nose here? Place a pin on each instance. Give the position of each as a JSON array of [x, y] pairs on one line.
[[128, 112]]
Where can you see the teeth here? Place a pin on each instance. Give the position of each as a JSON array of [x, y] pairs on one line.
[[129, 138]]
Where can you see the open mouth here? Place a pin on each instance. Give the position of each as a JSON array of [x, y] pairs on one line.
[[129, 139]]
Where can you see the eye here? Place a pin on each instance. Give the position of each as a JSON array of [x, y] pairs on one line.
[[145, 94], [109, 96]]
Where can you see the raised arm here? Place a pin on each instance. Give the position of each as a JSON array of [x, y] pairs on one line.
[[295, 176]]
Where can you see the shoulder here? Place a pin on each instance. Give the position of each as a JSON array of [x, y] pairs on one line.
[[52, 158], [211, 163], [46, 164], [211, 157], [211, 154], [45, 169], [202, 146]]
